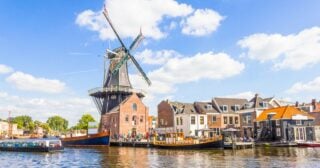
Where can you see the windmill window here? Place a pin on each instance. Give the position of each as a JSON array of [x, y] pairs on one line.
[[134, 107]]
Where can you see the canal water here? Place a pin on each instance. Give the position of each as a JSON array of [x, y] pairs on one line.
[[143, 157]]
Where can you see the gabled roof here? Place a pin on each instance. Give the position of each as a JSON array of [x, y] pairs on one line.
[[183, 108], [258, 101], [280, 113], [230, 102], [205, 107]]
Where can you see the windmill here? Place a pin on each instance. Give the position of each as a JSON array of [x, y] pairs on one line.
[[116, 85]]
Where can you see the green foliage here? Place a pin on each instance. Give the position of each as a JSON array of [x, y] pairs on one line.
[[83, 122], [44, 126], [57, 123], [24, 122]]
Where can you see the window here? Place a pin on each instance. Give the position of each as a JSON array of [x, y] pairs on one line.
[[201, 120], [161, 121], [214, 118], [230, 120], [209, 107], [177, 120], [141, 119], [278, 132], [298, 122], [264, 104], [193, 120], [224, 108], [247, 105], [134, 120], [225, 120], [134, 106], [236, 120], [181, 121], [236, 107], [127, 118], [277, 122]]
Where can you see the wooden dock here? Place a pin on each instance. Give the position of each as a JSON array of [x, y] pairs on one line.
[[238, 145]]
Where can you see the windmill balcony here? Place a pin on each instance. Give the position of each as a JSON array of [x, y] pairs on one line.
[[102, 90]]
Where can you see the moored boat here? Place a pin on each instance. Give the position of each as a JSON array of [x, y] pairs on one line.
[[176, 141], [309, 144], [99, 139], [31, 145]]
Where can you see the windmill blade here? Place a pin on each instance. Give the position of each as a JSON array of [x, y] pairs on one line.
[[120, 63], [136, 41], [140, 69], [112, 52], [105, 13]]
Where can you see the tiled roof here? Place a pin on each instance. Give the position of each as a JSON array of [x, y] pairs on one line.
[[230, 102], [316, 115], [205, 107], [286, 112]]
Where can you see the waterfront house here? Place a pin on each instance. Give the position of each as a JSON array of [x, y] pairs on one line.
[[286, 123], [5, 127], [314, 106], [129, 118], [165, 116], [250, 110]]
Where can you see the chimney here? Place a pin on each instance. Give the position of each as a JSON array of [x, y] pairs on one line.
[[297, 104], [256, 95], [314, 103]]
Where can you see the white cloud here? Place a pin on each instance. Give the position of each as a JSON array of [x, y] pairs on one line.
[[43, 108], [4, 69], [28, 82], [202, 22], [130, 17], [156, 58], [311, 86], [294, 51], [178, 70], [245, 95]]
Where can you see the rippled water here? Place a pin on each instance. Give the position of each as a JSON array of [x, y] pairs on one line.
[[142, 157]]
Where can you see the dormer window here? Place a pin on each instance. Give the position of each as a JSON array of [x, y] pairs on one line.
[[264, 104], [209, 107], [236, 107], [224, 108]]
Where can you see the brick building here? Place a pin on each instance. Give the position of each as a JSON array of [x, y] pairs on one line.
[[130, 117]]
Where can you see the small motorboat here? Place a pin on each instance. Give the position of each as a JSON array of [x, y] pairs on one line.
[[31, 145]]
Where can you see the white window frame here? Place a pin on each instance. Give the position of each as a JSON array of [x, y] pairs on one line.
[[236, 106]]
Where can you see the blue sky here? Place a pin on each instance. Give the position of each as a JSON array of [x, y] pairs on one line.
[[193, 50]]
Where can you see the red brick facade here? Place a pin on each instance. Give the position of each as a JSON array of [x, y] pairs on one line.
[[131, 117], [165, 115]]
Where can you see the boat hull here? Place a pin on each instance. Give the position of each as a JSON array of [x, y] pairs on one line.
[[206, 145], [101, 139], [31, 149], [315, 144]]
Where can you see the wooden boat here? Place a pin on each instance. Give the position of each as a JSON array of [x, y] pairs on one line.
[[99, 139], [31, 145], [309, 144], [176, 141]]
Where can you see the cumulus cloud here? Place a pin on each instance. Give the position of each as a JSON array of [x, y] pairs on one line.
[[4, 69], [294, 51], [202, 22], [43, 108], [144, 14], [244, 95], [28, 82], [156, 58], [178, 70], [311, 86]]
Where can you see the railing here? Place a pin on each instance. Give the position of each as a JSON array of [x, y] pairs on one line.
[[115, 89]]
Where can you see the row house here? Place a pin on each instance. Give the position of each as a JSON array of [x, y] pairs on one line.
[[312, 107], [286, 123], [251, 110]]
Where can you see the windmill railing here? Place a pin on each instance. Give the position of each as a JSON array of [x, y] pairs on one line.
[[115, 89]]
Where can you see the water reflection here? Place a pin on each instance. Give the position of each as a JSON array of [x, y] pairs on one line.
[[141, 157]]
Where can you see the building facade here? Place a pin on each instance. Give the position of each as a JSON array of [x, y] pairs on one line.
[[130, 118]]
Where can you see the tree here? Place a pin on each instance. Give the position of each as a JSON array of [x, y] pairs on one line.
[[44, 126], [83, 122], [57, 123], [24, 122]]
